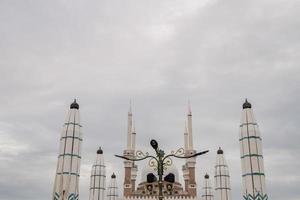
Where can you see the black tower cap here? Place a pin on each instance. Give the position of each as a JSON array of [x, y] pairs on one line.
[[206, 176], [220, 151], [74, 105], [246, 104], [99, 151], [113, 175]]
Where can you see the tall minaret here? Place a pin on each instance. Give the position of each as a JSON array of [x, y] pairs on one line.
[[191, 162], [207, 189], [251, 157], [184, 167], [134, 168], [97, 184], [222, 178], [68, 166], [129, 152], [112, 190]]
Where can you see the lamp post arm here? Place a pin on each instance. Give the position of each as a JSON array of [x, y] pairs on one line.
[[191, 156], [136, 159]]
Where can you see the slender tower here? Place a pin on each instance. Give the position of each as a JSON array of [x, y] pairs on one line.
[[97, 184], [134, 168], [191, 162], [129, 152], [253, 175], [185, 170], [222, 178], [112, 190], [68, 166], [207, 189]]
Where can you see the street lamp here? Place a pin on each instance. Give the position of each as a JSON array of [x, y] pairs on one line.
[[160, 161]]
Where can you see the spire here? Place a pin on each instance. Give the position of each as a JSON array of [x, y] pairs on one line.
[[189, 107], [222, 178], [112, 190], [190, 128], [207, 189], [253, 174], [74, 105], [66, 182], [98, 180], [129, 128]]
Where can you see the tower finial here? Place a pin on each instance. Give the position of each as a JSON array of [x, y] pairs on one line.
[[246, 104], [113, 175], [220, 151], [130, 107], [74, 105], [189, 107], [206, 176], [99, 151]]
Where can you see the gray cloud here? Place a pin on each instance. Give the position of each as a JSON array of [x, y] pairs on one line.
[[159, 53]]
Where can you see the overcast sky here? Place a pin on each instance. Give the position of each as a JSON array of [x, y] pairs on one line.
[[159, 53]]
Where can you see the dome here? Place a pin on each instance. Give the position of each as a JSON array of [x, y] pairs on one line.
[[147, 170], [206, 176], [74, 105], [113, 175], [246, 104], [220, 151], [99, 151]]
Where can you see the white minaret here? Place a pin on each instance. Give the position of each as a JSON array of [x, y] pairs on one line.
[[97, 184], [207, 189], [222, 178], [191, 162], [190, 128], [112, 190], [134, 168], [68, 166], [251, 157], [129, 178], [184, 167]]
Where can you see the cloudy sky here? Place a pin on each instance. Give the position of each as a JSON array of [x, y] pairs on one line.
[[159, 54]]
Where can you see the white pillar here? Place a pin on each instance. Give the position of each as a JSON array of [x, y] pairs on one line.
[[66, 184], [253, 174], [222, 178], [112, 190], [98, 176], [207, 189]]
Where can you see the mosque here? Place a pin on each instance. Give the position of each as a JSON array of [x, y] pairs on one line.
[[66, 183]]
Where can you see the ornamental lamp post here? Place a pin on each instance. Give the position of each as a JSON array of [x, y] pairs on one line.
[[160, 161]]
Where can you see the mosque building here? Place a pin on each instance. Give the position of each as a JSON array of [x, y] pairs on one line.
[[66, 183]]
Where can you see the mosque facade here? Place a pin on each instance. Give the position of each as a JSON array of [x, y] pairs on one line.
[[214, 187]]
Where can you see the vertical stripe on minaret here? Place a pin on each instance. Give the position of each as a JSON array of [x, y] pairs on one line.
[[251, 156], [97, 184], [68, 165], [112, 190], [207, 189], [222, 178]]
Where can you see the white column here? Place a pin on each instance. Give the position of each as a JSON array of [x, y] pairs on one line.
[[207, 189], [66, 184], [222, 178], [112, 190], [98, 176], [251, 156]]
